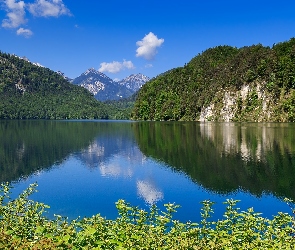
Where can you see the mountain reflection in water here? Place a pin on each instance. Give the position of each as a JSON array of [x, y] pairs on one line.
[[84, 167], [225, 157]]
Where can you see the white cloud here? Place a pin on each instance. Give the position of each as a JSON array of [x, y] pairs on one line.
[[128, 65], [115, 66], [48, 8], [149, 65], [15, 13], [147, 47], [24, 32]]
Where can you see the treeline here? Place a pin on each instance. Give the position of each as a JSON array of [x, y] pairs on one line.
[[121, 109], [182, 93], [28, 91]]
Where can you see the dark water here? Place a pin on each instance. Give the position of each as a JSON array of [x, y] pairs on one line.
[[84, 167]]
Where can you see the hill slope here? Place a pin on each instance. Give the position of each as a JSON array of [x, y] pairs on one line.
[[224, 83], [28, 91]]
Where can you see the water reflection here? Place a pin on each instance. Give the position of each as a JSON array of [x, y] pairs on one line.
[[226, 157], [27, 147], [88, 166], [148, 190], [251, 140], [123, 164]]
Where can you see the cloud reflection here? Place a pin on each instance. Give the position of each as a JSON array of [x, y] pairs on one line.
[[149, 192], [114, 169]]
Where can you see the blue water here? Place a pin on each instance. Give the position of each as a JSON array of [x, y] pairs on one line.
[[89, 181], [73, 189]]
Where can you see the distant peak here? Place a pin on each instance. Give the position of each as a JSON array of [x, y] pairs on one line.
[[138, 76], [90, 70]]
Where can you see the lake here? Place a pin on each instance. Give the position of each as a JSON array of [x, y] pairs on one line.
[[83, 167]]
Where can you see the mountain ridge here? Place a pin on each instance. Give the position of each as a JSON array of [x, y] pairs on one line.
[[104, 88], [134, 81]]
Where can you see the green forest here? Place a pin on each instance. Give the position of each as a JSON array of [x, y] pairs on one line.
[[252, 83], [28, 91], [220, 74]]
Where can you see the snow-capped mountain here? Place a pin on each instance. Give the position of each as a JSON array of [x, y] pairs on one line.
[[104, 88], [134, 82], [93, 80], [101, 86]]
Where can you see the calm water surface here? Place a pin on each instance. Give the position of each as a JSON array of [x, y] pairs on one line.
[[83, 167]]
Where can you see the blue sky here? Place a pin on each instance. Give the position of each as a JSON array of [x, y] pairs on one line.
[[125, 37]]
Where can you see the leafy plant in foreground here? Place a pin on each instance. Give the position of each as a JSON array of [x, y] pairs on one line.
[[23, 225]]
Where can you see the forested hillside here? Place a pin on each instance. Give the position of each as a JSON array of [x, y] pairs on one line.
[[28, 91], [225, 83], [121, 109]]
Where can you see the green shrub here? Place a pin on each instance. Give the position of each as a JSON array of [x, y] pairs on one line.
[[23, 225]]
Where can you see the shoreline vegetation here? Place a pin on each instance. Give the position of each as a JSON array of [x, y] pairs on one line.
[[23, 225]]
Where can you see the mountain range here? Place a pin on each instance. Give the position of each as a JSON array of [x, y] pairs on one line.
[[104, 88], [101, 86]]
